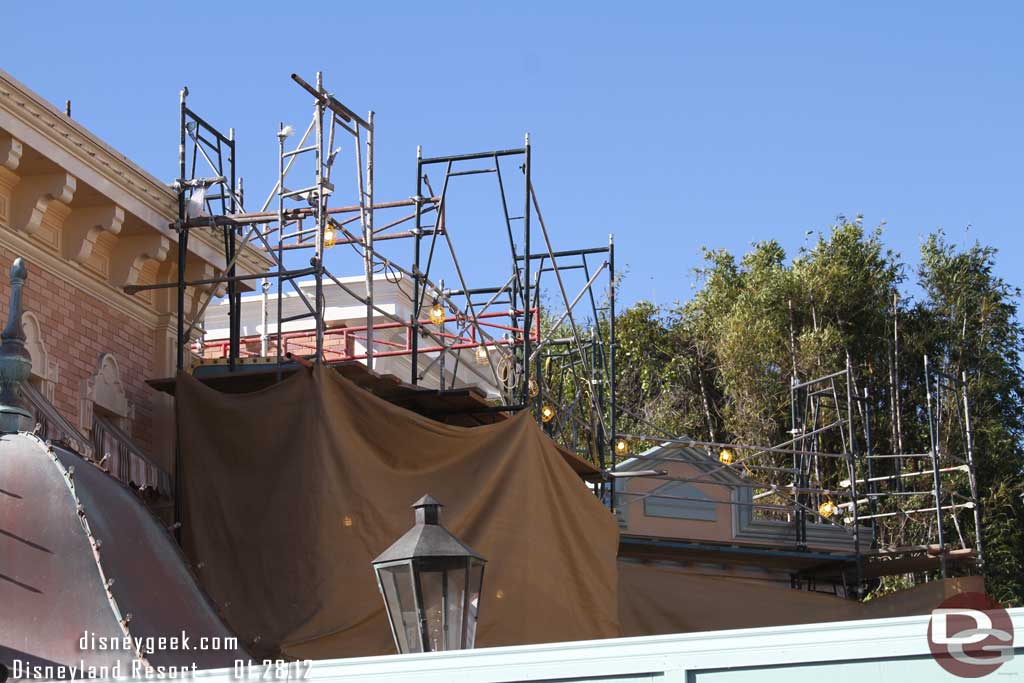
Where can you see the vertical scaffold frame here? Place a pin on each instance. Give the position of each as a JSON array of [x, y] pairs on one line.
[[524, 355], [829, 473]]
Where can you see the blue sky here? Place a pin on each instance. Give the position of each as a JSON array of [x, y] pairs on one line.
[[673, 125]]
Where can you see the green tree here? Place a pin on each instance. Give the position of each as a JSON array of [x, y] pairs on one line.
[[719, 366], [974, 330]]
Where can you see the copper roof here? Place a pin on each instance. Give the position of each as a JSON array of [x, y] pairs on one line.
[[80, 554]]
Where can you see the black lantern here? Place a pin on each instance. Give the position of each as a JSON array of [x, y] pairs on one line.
[[431, 584]]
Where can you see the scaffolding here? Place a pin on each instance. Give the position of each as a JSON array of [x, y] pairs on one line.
[[560, 364], [557, 359], [829, 473]]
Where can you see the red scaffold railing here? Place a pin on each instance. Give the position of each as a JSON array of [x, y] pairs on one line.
[[339, 342]]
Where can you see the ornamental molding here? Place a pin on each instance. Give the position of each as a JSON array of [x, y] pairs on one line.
[[36, 254], [10, 152], [44, 368], [84, 225], [34, 195], [132, 253], [29, 119], [105, 389], [75, 139]]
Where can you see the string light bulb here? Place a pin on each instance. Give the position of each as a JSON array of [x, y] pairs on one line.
[[621, 446], [481, 355], [437, 313], [547, 413], [725, 456], [534, 388], [827, 509], [329, 237]]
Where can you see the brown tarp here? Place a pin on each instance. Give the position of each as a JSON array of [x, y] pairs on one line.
[[658, 599], [290, 492]]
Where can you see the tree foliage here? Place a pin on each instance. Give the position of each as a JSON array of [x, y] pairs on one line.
[[718, 367]]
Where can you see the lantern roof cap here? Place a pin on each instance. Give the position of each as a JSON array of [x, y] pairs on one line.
[[427, 538], [427, 500]]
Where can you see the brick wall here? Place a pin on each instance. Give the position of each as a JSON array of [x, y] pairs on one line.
[[336, 345], [77, 329]]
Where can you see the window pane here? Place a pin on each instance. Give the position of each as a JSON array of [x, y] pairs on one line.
[[396, 581]]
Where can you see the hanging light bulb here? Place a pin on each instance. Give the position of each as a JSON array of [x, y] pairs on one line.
[[621, 446], [482, 356], [725, 456], [827, 509], [534, 388], [547, 413], [329, 237], [437, 313]]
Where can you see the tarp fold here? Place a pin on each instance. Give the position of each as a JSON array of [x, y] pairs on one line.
[[290, 492]]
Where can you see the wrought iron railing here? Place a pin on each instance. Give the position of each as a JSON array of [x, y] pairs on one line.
[[111, 447], [124, 460], [52, 426]]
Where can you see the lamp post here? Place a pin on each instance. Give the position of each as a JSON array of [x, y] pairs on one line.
[[431, 583], [15, 361]]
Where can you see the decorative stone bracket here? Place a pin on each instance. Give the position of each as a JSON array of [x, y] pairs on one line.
[[205, 271], [10, 153], [83, 226], [201, 293], [33, 196], [130, 255]]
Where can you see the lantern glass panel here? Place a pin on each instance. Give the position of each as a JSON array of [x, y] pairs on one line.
[[476, 580], [456, 597], [397, 583], [432, 592]]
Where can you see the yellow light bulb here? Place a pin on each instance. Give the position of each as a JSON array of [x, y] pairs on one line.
[[547, 413], [329, 237], [827, 509], [437, 313], [621, 446], [726, 456], [481, 355], [534, 388]]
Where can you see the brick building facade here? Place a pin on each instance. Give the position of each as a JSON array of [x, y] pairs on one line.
[[88, 223], [77, 331]]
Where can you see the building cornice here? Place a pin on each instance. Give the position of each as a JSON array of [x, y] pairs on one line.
[[37, 123], [37, 256]]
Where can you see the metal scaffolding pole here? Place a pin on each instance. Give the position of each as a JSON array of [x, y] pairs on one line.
[[418, 230], [522, 350], [528, 316], [613, 407], [934, 452], [321, 218], [368, 241], [852, 466], [972, 473]]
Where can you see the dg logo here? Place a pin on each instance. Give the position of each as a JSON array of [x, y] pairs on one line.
[[970, 635]]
